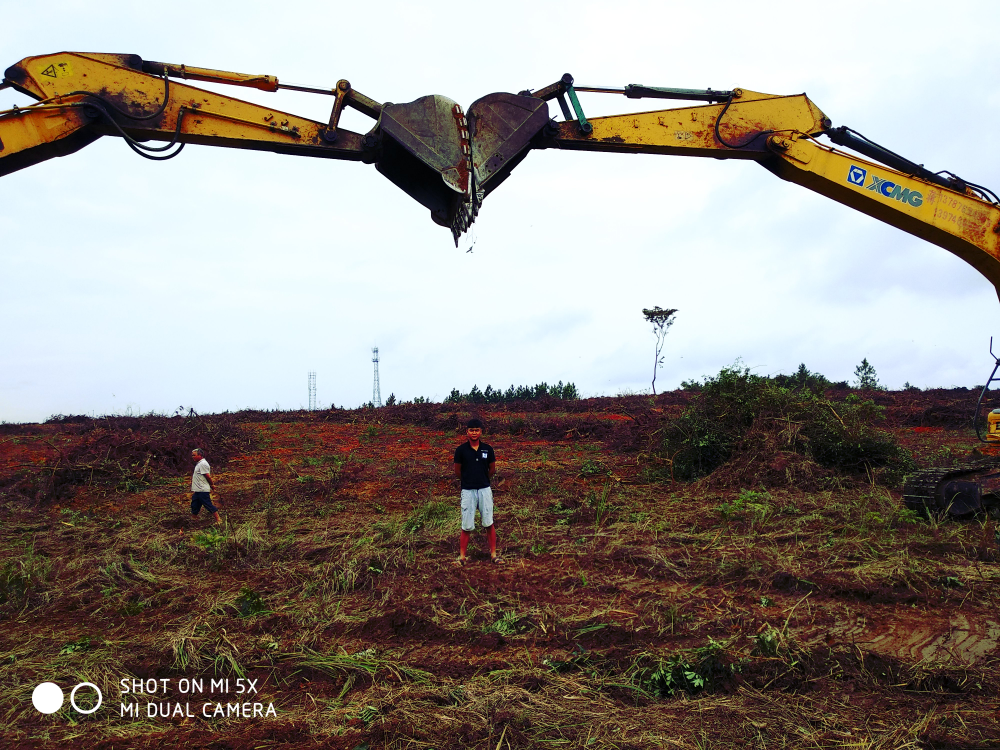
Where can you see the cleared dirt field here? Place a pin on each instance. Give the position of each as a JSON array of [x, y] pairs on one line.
[[631, 611]]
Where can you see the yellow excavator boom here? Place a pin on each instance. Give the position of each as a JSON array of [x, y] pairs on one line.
[[450, 162], [780, 132], [422, 146], [113, 95]]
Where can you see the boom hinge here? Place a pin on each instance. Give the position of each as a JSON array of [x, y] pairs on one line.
[[559, 91]]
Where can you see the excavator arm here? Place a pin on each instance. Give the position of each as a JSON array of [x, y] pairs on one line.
[[421, 146], [450, 162], [85, 96], [781, 133]]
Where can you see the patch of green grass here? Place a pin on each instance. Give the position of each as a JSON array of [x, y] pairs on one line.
[[332, 579], [249, 603], [76, 647], [73, 517], [909, 516], [211, 540], [592, 468], [577, 662], [133, 608], [23, 575], [508, 623], [777, 644], [599, 502], [370, 433], [433, 514], [748, 504]]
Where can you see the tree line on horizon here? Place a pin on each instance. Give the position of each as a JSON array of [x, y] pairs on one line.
[[865, 378], [567, 392]]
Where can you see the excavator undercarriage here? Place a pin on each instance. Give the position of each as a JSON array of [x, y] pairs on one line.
[[958, 492]]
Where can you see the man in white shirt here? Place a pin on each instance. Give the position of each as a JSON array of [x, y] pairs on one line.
[[202, 486]]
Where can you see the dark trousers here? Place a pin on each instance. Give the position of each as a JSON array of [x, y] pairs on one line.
[[199, 499]]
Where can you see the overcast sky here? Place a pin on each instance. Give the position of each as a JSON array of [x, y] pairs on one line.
[[219, 279]]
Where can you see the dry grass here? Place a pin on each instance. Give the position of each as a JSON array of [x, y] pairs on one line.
[[341, 597]]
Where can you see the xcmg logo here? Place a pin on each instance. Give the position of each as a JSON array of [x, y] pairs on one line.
[[882, 185]]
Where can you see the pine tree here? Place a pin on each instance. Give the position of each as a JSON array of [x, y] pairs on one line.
[[865, 376]]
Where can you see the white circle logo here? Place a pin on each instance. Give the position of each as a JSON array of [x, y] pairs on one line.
[[47, 698], [72, 697]]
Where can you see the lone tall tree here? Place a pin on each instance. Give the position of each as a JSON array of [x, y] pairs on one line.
[[661, 320], [865, 376]]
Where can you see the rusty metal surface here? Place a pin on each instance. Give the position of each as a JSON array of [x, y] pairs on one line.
[[426, 128], [691, 131], [364, 104], [129, 95], [503, 127], [426, 152]]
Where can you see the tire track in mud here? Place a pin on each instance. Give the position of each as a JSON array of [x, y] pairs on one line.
[[957, 638]]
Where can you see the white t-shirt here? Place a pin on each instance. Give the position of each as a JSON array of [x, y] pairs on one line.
[[198, 481]]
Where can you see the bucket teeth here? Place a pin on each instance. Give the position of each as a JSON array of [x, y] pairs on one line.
[[466, 215], [448, 160]]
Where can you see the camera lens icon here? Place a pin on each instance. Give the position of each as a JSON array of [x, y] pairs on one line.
[[48, 697]]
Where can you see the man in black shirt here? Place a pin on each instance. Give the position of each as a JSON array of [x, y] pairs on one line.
[[474, 465]]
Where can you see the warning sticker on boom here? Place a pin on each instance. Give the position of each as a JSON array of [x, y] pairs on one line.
[[58, 70]]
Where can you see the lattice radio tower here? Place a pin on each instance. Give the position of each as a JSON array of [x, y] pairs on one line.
[[376, 389], [312, 391]]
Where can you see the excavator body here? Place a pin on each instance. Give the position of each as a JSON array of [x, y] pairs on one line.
[[993, 427]]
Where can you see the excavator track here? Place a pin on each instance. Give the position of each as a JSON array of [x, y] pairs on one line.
[[956, 490]]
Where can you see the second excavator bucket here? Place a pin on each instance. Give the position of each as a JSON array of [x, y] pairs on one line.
[[427, 149], [503, 127]]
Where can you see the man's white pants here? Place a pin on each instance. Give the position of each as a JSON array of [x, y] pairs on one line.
[[473, 500]]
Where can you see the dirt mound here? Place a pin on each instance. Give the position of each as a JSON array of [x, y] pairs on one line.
[[124, 453]]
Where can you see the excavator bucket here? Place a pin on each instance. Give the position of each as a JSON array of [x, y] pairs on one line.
[[503, 127], [425, 152], [426, 145]]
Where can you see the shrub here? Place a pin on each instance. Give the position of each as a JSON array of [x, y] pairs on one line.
[[249, 603], [767, 431], [804, 378], [704, 668]]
